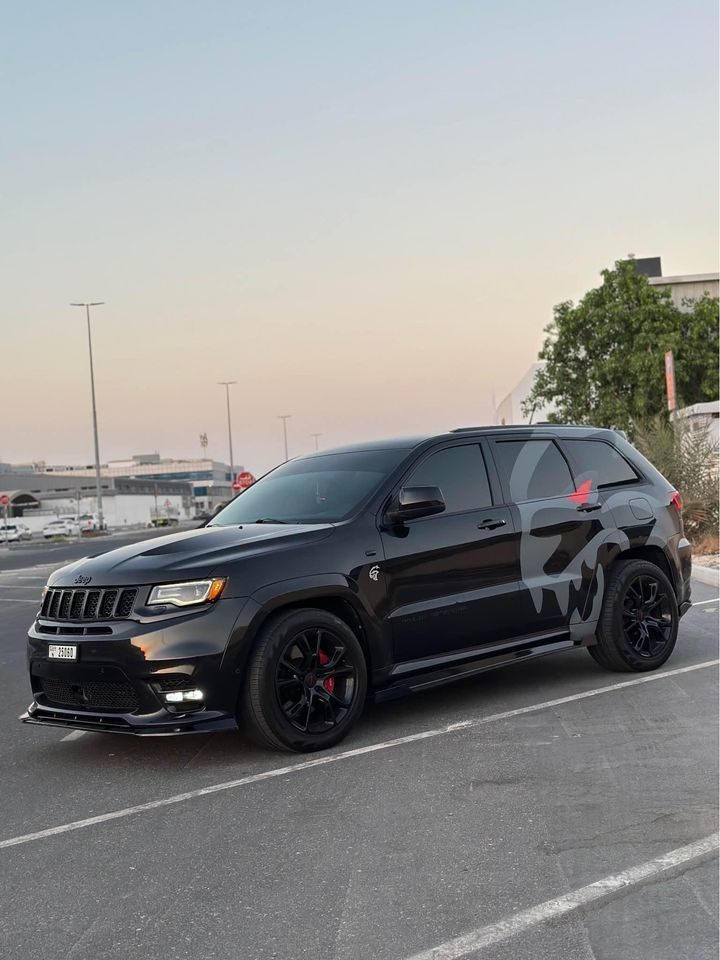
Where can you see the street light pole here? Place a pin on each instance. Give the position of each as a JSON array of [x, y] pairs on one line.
[[317, 437], [227, 384], [285, 417], [98, 480]]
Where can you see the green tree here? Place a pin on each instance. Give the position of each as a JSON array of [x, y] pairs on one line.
[[696, 356], [688, 457], [604, 357]]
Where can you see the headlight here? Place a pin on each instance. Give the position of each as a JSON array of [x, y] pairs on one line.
[[187, 594]]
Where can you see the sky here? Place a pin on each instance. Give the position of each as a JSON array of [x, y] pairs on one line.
[[362, 212]]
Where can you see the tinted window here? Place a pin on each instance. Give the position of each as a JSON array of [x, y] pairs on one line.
[[599, 462], [461, 475], [319, 489], [534, 469]]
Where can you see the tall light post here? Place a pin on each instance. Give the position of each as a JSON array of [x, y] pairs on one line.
[[316, 437], [227, 384], [285, 417], [98, 480]]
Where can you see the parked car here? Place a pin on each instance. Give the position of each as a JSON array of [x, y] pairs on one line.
[[163, 522], [89, 522], [380, 568], [63, 527], [14, 532]]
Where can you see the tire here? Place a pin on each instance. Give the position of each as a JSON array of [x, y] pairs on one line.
[[639, 622], [306, 682]]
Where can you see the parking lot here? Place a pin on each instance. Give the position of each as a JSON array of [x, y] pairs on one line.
[[476, 820]]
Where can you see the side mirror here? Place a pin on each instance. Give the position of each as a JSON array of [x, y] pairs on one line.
[[415, 502]]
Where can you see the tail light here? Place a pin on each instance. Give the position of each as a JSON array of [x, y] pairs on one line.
[[676, 500]]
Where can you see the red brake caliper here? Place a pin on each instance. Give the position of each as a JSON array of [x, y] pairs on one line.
[[329, 682]]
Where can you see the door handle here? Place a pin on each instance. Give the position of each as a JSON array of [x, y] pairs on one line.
[[588, 507], [491, 524]]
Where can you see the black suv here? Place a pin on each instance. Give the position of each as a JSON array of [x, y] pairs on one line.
[[378, 568]]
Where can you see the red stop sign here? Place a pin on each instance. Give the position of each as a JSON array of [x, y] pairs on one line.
[[4, 500], [243, 481]]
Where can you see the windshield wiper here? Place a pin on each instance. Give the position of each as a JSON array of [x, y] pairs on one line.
[[271, 520]]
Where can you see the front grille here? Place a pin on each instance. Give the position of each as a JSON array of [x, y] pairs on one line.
[[107, 604], [67, 631], [125, 603], [94, 695], [92, 602], [81, 604]]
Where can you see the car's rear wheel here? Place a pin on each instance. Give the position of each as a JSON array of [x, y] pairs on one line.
[[639, 621], [306, 682]]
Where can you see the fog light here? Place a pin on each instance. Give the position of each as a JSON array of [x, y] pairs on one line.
[[177, 696]]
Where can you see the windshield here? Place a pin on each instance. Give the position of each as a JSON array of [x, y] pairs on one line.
[[321, 489]]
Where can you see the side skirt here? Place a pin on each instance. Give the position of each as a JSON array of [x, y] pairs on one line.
[[416, 675]]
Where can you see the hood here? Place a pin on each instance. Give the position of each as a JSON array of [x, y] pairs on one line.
[[192, 555]]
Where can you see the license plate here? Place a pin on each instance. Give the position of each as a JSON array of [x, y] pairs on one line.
[[62, 651]]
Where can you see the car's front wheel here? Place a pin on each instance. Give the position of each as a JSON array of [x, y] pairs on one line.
[[639, 621], [306, 681]]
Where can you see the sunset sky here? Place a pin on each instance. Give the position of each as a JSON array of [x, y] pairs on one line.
[[363, 212]]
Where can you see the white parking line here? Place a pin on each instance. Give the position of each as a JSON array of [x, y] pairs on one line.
[[73, 735], [345, 755], [699, 603], [600, 890]]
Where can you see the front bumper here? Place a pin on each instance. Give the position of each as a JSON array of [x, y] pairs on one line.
[[157, 725], [117, 682]]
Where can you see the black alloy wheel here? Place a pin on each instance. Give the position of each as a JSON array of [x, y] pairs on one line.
[[638, 625], [305, 683], [315, 680], [647, 616]]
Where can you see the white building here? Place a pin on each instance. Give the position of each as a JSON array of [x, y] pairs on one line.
[[210, 479], [701, 418], [40, 497], [510, 409], [688, 286]]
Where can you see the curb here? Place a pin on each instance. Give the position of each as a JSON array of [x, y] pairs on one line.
[[707, 575]]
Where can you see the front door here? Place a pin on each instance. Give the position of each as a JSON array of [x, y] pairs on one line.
[[451, 579]]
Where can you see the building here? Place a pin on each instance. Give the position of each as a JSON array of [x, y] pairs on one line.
[[210, 480], [701, 418], [683, 287], [41, 497], [689, 286], [510, 409]]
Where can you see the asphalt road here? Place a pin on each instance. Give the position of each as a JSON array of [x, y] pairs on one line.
[[383, 850]]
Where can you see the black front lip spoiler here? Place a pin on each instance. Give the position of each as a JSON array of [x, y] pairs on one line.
[[118, 723]]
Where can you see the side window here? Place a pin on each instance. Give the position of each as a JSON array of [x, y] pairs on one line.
[[533, 469], [600, 463], [461, 475]]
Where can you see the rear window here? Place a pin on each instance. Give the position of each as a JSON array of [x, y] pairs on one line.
[[599, 462], [533, 469]]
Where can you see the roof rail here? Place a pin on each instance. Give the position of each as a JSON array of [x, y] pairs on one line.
[[495, 426], [524, 426]]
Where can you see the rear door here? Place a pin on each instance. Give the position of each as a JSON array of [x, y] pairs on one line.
[[562, 521], [451, 579]]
